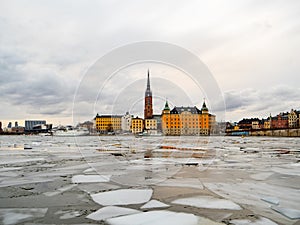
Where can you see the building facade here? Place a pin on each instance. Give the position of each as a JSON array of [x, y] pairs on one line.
[[30, 124], [187, 120], [126, 122], [108, 123], [148, 108], [280, 121], [137, 125], [150, 126], [293, 119]]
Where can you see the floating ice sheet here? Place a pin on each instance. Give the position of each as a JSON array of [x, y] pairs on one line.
[[22, 181], [155, 217], [208, 202], [161, 218], [90, 178], [182, 182], [154, 204], [18, 215], [290, 213], [67, 214], [270, 199], [123, 197], [259, 221], [110, 212], [20, 160], [60, 190], [261, 176]]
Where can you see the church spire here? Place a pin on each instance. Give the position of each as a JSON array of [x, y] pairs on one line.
[[148, 110], [148, 89], [148, 80]]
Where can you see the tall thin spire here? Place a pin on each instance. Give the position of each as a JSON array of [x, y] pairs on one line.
[[148, 80], [148, 110], [148, 89]]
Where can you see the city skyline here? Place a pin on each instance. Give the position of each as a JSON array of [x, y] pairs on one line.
[[250, 48]]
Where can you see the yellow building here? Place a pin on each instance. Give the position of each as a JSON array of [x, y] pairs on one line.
[[108, 123], [150, 124], [137, 125], [187, 120]]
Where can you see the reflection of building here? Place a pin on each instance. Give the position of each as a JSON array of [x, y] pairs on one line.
[[148, 109], [108, 123], [126, 122], [137, 125], [187, 120]]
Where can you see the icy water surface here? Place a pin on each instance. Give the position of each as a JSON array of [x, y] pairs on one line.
[[149, 180]]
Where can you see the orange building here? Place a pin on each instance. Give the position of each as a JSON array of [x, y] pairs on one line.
[[187, 120]]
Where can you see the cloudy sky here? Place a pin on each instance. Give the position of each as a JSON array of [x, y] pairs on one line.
[[47, 48]]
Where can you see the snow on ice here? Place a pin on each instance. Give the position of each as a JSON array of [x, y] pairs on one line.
[[110, 212], [208, 202], [90, 178], [154, 204], [123, 197]]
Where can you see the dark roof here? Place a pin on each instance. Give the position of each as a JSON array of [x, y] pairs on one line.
[[179, 110], [108, 116], [248, 120]]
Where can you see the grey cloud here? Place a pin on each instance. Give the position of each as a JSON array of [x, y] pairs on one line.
[[258, 102]]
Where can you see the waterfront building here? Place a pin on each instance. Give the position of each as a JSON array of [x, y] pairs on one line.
[[158, 122], [126, 122], [255, 124], [293, 119], [187, 120], [280, 121], [151, 126], [108, 123], [137, 125], [30, 124], [148, 108]]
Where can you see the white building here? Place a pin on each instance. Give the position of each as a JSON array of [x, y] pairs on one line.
[[126, 122]]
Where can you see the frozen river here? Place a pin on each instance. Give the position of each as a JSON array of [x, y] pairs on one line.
[[149, 180]]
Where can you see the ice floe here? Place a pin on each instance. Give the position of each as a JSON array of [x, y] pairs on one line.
[[18, 215], [60, 190], [182, 182], [261, 176], [208, 202], [161, 218], [67, 214], [21, 181], [90, 178], [290, 213], [259, 221], [155, 217], [123, 197], [270, 199], [110, 212], [154, 204]]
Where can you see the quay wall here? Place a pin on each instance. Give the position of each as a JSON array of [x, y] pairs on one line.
[[291, 132]]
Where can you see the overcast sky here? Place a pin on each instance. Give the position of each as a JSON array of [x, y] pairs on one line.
[[252, 49]]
